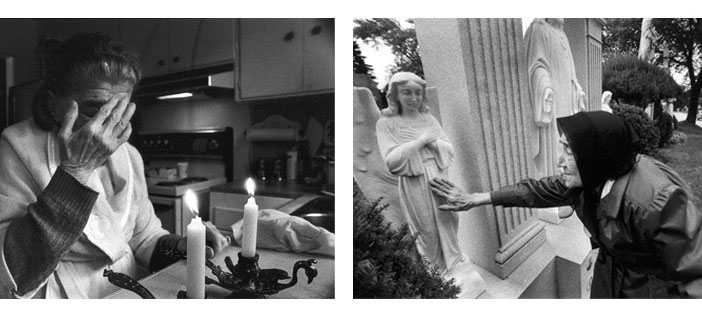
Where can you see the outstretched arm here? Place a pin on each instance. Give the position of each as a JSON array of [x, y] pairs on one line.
[[546, 192]]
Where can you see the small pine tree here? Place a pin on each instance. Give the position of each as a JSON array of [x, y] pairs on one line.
[[386, 263], [359, 62]]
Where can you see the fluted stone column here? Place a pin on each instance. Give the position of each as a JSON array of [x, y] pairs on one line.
[[478, 68], [585, 37]]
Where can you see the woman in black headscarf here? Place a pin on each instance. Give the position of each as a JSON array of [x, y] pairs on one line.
[[639, 212]]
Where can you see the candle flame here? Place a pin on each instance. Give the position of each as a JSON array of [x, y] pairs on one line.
[[250, 186], [191, 201]]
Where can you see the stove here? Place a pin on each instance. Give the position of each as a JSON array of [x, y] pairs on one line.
[[178, 188], [209, 155]]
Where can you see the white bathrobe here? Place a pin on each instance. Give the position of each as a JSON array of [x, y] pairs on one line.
[[121, 230]]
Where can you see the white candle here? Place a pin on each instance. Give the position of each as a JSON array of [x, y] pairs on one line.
[[250, 226], [195, 288]]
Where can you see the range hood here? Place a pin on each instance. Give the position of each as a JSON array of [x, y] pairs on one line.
[[214, 81]]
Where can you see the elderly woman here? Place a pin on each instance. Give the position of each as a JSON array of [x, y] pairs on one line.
[[73, 198], [639, 212], [415, 148]]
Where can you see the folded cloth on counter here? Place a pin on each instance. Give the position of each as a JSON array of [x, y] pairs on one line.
[[283, 232]]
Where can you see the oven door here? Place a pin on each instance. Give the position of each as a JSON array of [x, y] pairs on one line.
[[169, 210]]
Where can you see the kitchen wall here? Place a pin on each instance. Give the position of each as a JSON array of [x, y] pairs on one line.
[[298, 109], [189, 114], [18, 38]]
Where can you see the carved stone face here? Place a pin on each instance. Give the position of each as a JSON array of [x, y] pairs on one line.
[[566, 164], [410, 96]]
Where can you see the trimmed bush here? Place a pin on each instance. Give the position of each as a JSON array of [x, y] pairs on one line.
[[635, 82], [649, 136], [679, 137]]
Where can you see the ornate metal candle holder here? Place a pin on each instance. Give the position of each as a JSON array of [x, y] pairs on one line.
[[246, 279]]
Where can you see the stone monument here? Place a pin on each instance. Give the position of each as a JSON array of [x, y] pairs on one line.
[[555, 92], [476, 65], [369, 171], [480, 69], [606, 99], [585, 39], [648, 37]]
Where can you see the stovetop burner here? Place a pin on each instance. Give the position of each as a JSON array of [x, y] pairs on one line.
[[185, 181]]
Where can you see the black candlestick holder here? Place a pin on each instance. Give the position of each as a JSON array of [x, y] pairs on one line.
[[245, 279]]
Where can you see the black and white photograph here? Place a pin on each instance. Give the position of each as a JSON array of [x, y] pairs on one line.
[[167, 158], [527, 158]]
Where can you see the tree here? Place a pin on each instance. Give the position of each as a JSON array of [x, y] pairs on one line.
[[636, 82], [359, 62], [620, 36], [681, 42], [402, 41]]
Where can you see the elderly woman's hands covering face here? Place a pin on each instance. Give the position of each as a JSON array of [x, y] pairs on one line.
[[90, 145]]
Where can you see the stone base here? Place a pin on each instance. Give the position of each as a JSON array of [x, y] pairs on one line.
[[560, 267], [549, 215], [521, 279], [513, 254], [575, 259], [467, 279]]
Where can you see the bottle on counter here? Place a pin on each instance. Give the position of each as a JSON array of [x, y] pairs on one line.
[[261, 169], [302, 160], [291, 165], [278, 170]]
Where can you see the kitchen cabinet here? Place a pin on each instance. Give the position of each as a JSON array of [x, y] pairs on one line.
[[62, 29], [284, 57], [172, 45], [148, 37], [228, 208], [163, 45]]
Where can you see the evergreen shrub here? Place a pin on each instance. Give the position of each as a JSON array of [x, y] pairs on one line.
[[386, 263], [649, 137]]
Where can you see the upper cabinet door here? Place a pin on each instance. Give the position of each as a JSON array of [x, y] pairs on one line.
[[182, 35], [270, 57], [149, 38], [318, 55], [62, 29], [172, 45], [214, 43]]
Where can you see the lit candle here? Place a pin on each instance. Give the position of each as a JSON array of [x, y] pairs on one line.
[[195, 288], [250, 226]]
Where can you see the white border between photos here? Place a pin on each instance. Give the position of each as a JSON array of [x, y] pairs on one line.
[[343, 305]]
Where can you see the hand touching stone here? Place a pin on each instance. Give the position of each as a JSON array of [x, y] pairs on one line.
[[456, 198]]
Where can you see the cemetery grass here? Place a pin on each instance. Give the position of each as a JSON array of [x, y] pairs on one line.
[[686, 158]]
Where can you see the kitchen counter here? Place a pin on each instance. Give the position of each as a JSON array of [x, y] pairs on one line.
[[166, 283], [286, 188]]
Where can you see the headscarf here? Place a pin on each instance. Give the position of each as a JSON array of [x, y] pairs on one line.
[[602, 144]]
